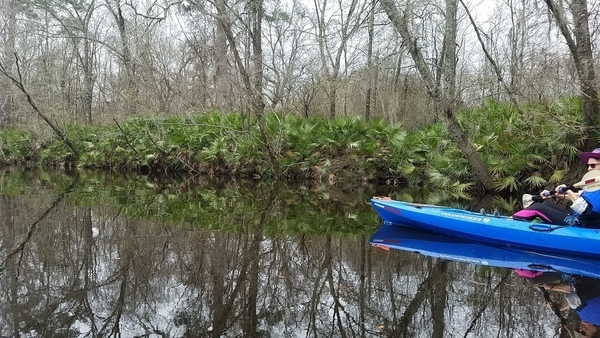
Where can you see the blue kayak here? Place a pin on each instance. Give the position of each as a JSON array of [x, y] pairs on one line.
[[488, 228], [463, 250]]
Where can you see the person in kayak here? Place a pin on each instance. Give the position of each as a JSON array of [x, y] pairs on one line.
[[586, 202], [584, 209]]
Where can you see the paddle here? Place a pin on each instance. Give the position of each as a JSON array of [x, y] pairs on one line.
[[529, 199], [589, 182]]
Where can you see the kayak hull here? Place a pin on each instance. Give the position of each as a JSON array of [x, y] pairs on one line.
[[489, 228]]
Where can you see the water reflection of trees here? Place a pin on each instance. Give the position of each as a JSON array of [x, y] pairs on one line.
[[89, 269]]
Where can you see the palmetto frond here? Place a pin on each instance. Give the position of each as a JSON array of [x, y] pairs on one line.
[[557, 176], [535, 181], [509, 183]]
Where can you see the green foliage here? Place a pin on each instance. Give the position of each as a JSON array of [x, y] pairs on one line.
[[523, 149], [16, 146]]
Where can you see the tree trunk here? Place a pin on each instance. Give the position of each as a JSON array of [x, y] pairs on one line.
[[6, 91], [443, 96], [370, 81], [332, 97], [130, 92], [581, 51], [222, 93], [256, 15], [88, 81], [586, 57]]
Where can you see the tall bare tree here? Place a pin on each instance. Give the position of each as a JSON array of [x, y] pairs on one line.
[[371, 80], [222, 93], [509, 87], [577, 36], [125, 56], [348, 18], [286, 39], [77, 21], [7, 35], [250, 69], [442, 93]]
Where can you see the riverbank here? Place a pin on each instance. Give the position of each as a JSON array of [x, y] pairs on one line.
[[319, 149]]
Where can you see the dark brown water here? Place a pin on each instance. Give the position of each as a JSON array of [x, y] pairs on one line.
[[91, 255]]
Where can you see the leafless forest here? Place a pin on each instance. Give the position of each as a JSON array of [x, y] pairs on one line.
[[90, 61]]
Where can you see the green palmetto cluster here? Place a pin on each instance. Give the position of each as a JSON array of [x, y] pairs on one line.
[[531, 147], [15, 146], [523, 148]]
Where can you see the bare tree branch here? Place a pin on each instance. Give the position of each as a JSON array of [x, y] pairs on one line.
[[18, 82], [491, 60]]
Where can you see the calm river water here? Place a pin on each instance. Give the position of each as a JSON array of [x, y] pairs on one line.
[[98, 255]]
